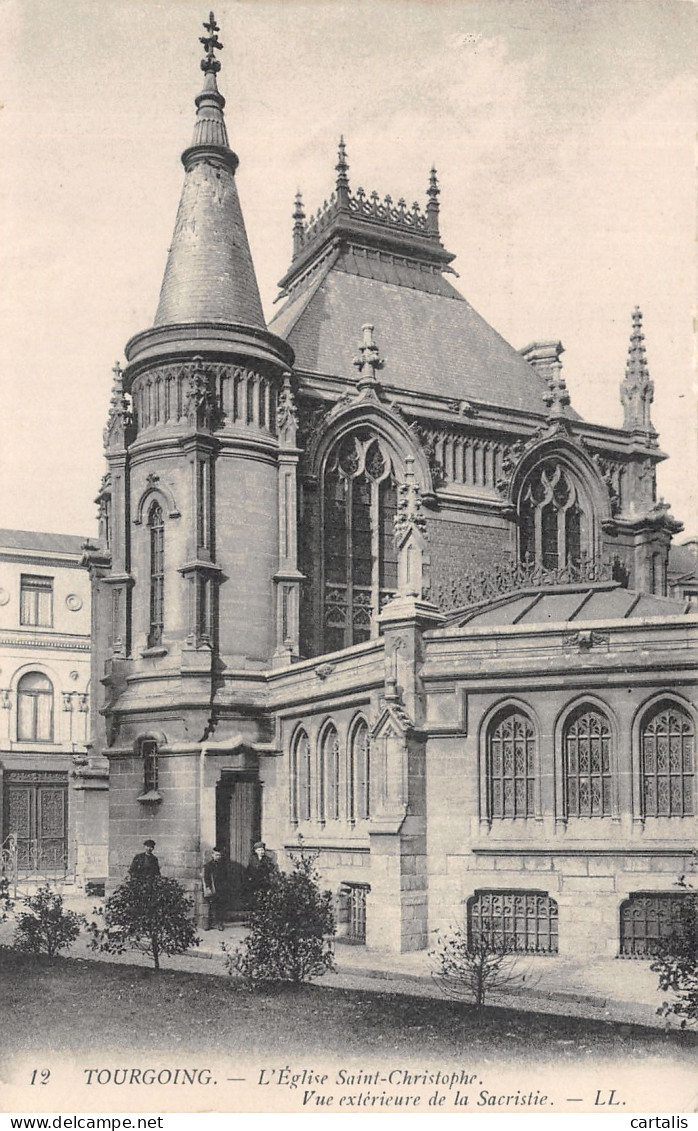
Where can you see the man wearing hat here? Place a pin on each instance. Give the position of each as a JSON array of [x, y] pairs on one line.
[[145, 865], [261, 871], [216, 883]]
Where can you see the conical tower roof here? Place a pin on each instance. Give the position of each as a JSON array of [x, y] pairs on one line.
[[209, 275]]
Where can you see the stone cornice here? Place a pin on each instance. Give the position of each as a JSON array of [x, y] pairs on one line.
[[60, 641]]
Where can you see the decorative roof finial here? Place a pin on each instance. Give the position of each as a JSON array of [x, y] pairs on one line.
[[637, 388], [211, 43], [368, 360], [298, 223], [209, 129], [557, 397], [432, 209], [342, 182]]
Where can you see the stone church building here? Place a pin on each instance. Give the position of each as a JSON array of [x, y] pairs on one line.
[[366, 578]]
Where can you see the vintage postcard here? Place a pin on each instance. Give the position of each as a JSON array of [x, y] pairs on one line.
[[348, 559]]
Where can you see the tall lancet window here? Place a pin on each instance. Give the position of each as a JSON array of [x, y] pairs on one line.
[[553, 525], [359, 555], [156, 527]]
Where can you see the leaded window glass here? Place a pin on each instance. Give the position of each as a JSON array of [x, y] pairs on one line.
[[667, 763], [359, 555], [156, 526], [301, 778], [359, 774], [511, 766], [523, 921], [552, 523], [330, 760], [587, 757], [149, 754]]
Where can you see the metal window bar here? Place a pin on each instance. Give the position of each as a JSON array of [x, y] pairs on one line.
[[647, 919], [524, 922]]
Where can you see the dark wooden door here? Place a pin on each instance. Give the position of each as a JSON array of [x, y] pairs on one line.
[[238, 824], [36, 813]]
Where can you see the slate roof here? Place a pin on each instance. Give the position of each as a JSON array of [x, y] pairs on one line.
[[683, 559], [46, 543], [574, 603], [432, 339]]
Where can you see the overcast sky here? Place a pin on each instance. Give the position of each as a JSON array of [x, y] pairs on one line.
[[563, 133]]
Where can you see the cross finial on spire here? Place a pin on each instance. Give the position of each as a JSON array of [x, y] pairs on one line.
[[211, 43], [342, 168], [368, 360]]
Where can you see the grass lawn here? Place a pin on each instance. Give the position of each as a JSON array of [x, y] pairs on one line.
[[78, 1005]]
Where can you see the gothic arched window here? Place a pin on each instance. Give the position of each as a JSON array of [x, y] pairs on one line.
[[667, 754], [553, 526], [156, 528], [359, 555], [301, 778], [511, 774], [587, 764], [35, 708], [359, 773], [329, 756]]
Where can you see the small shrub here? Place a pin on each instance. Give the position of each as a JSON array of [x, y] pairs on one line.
[[150, 914], [6, 903], [676, 962], [291, 924], [469, 969], [46, 928]]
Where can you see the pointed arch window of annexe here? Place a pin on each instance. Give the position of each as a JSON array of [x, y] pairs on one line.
[[329, 769], [359, 773], [587, 764], [511, 749], [359, 554], [667, 764], [35, 708], [553, 526], [156, 528], [301, 778]]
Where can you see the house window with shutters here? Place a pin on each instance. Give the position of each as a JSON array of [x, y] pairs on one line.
[[359, 557], [511, 772], [667, 762], [36, 601], [35, 708]]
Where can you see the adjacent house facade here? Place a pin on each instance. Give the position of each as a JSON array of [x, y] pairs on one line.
[[53, 822], [366, 578]]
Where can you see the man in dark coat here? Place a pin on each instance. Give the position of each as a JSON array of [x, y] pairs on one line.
[[216, 882], [261, 871], [145, 865]]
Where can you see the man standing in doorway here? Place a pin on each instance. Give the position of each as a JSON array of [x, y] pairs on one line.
[[215, 887], [145, 864]]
